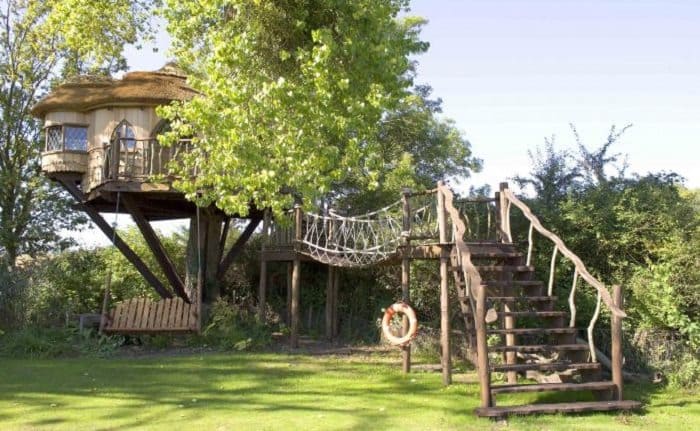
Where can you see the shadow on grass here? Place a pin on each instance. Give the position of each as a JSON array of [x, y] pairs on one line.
[[150, 390]]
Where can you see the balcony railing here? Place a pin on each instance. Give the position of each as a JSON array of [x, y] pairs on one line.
[[141, 159]]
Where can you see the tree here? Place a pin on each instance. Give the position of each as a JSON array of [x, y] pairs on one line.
[[554, 175], [40, 42], [416, 148], [292, 94], [639, 231]]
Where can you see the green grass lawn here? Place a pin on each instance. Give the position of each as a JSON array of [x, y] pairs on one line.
[[278, 392]]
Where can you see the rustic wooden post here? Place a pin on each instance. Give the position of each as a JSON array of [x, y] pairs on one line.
[[288, 309], [105, 301], [114, 162], [616, 335], [296, 276], [330, 303], [446, 359], [406, 274], [507, 279], [336, 295], [504, 215], [262, 287], [481, 347]]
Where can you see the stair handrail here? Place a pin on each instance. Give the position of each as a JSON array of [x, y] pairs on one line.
[[563, 249], [476, 291]]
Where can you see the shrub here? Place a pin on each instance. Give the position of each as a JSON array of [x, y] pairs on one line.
[[36, 342], [234, 326]]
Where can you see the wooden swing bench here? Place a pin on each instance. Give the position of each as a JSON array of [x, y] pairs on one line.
[[144, 316]]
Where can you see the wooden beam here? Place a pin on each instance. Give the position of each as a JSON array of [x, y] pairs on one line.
[[123, 247], [296, 288], [406, 278], [329, 303], [262, 286], [482, 347], [156, 247], [237, 247], [616, 335], [446, 354]]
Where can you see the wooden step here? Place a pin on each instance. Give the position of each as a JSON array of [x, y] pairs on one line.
[[510, 283], [576, 407], [534, 348], [533, 313], [550, 366], [558, 387], [513, 283], [528, 331], [505, 268], [540, 314], [523, 298]]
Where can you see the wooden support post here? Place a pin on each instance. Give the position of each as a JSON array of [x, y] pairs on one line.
[[509, 323], [237, 247], [288, 309], [296, 277], [406, 276], [446, 358], [330, 302], [123, 247], [616, 335], [105, 301], [262, 286], [481, 347], [156, 247], [503, 213], [336, 290]]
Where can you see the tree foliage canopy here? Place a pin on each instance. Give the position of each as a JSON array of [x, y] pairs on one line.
[[292, 93]]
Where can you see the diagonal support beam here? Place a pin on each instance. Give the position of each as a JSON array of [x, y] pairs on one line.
[[123, 247], [156, 246], [237, 247]]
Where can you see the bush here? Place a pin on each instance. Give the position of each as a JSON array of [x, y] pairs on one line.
[[234, 326], [36, 342]]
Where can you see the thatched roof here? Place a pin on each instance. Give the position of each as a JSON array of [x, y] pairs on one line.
[[134, 89]]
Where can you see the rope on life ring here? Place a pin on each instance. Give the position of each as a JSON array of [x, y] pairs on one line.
[[406, 310]]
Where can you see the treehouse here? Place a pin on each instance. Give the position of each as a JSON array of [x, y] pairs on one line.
[[101, 145]]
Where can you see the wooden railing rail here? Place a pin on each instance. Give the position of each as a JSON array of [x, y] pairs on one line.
[[129, 158], [564, 250], [476, 291], [613, 302]]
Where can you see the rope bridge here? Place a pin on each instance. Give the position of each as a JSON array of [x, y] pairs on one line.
[[368, 239]]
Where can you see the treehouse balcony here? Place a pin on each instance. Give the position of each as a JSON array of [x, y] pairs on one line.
[[141, 160]]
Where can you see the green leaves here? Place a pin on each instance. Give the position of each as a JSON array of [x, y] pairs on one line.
[[292, 93]]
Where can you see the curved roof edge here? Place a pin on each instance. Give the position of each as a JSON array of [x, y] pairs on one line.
[[87, 93]]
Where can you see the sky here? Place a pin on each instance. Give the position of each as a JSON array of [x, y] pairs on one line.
[[512, 72]]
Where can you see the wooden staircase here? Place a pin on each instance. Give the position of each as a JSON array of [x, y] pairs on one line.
[[523, 334]]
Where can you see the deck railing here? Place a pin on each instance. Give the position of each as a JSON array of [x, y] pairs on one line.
[[140, 159]]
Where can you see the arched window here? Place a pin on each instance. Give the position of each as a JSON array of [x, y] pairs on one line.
[[123, 135]]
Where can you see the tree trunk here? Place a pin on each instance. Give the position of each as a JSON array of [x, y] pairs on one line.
[[210, 228]]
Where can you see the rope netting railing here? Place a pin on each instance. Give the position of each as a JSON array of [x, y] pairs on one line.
[[359, 240], [352, 241]]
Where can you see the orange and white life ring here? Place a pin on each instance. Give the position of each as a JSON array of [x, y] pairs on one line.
[[406, 310]]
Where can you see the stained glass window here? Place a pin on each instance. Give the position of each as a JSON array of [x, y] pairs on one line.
[[54, 138], [75, 138], [66, 138]]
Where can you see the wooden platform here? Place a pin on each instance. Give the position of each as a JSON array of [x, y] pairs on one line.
[[141, 315], [576, 407]]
